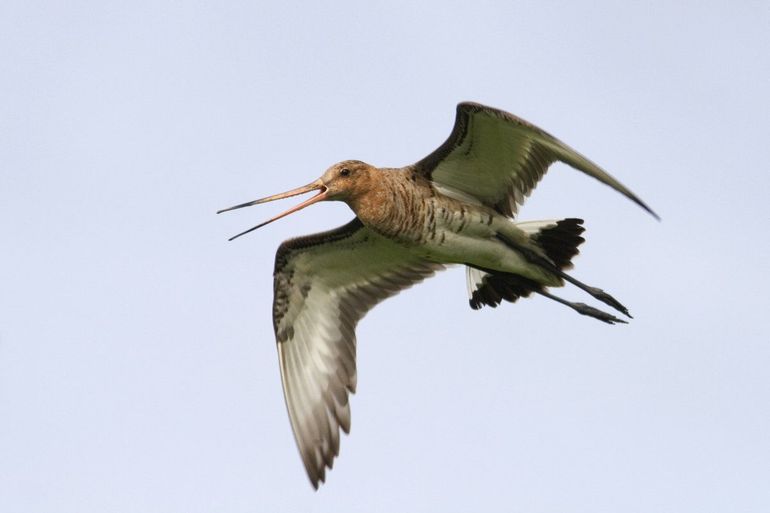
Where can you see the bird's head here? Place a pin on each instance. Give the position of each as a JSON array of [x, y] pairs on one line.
[[347, 180], [344, 181]]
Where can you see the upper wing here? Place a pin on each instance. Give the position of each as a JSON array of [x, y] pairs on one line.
[[324, 284], [498, 158]]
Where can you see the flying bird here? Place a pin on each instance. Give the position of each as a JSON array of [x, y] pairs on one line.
[[455, 206]]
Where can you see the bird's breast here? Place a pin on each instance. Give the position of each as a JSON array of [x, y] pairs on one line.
[[428, 220]]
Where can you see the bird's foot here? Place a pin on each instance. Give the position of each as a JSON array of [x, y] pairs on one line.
[[608, 300], [590, 311]]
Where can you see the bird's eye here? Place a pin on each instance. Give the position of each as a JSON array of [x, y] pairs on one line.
[[344, 172]]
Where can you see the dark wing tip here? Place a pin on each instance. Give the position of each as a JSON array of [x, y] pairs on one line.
[[652, 212], [645, 207], [314, 480], [315, 469]]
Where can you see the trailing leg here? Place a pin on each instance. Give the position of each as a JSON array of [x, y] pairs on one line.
[[596, 293], [584, 309], [487, 287], [559, 244]]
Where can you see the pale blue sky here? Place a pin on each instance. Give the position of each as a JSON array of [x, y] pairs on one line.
[[138, 371]]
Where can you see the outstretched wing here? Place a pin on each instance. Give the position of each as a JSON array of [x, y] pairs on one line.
[[324, 284], [498, 159]]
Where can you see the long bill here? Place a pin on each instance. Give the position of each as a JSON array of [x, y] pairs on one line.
[[315, 186]]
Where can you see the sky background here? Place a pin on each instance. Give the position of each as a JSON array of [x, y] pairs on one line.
[[138, 371]]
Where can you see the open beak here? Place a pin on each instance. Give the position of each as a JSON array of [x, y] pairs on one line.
[[314, 186]]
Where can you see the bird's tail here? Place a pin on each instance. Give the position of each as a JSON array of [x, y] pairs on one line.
[[559, 240]]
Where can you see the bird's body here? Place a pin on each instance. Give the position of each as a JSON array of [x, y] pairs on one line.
[[455, 206], [404, 207]]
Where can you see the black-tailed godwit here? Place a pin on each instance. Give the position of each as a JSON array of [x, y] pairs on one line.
[[455, 206]]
